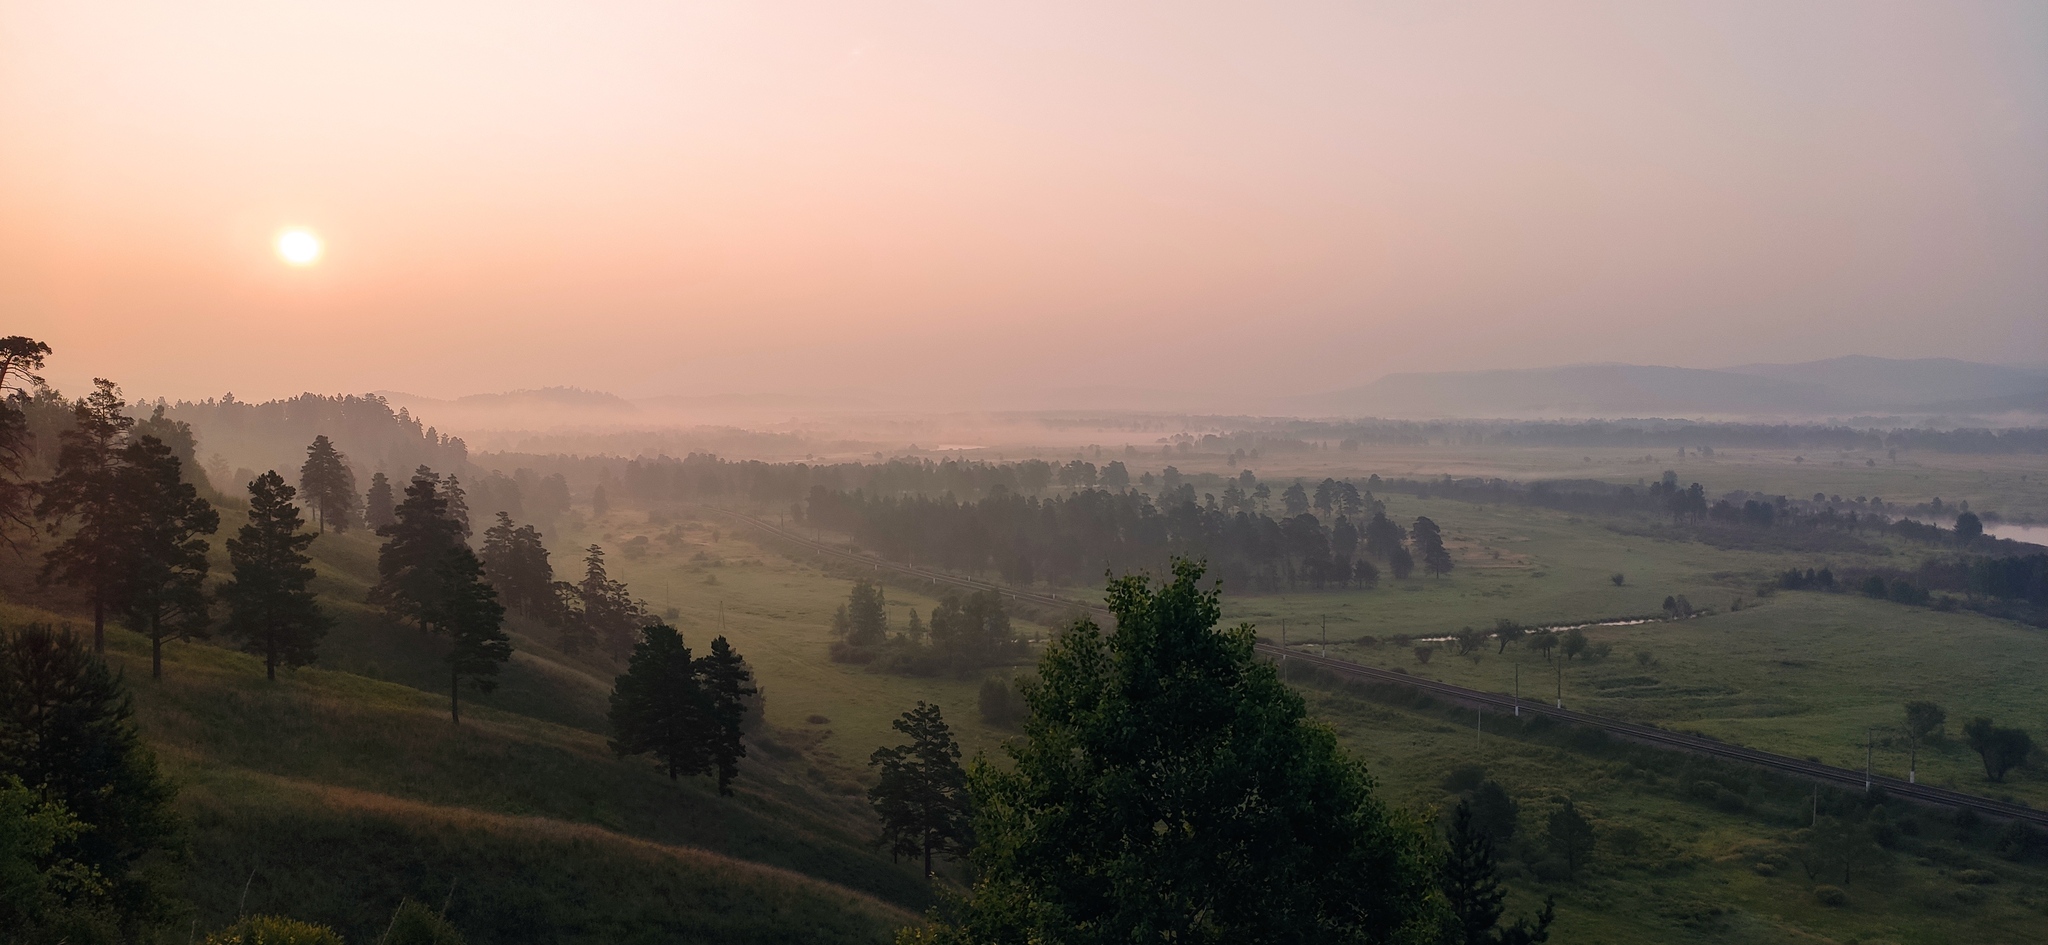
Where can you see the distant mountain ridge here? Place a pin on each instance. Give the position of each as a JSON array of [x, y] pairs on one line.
[[1837, 386]]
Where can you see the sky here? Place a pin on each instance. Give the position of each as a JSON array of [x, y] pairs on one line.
[[971, 204]]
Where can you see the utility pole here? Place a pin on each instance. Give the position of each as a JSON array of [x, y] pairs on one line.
[[1326, 636], [1866, 759], [1560, 682], [1479, 727], [1518, 689]]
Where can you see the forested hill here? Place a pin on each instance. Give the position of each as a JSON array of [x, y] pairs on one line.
[[235, 434]]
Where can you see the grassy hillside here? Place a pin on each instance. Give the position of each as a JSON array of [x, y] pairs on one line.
[[331, 794]]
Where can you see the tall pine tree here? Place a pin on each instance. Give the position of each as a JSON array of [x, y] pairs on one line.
[[467, 611], [85, 488], [1471, 887], [270, 608], [162, 589], [920, 792], [727, 685], [417, 543], [328, 484]]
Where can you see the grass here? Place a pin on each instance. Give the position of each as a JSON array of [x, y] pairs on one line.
[[1669, 867]]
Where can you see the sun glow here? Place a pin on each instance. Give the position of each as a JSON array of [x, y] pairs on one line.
[[299, 247]]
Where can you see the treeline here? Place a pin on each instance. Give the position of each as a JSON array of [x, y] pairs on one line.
[[966, 632], [1076, 537], [2014, 587]]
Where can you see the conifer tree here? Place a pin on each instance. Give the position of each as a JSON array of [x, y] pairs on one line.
[[1401, 563], [458, 506], [727, 684], [417, 543], [1571, 835], [1109, 817], [517, 564], [866, 613], [1471, 887], [85, 488], [270, 608], [67, 732], [610, 615], [328, 484], [471, 617], [20, 359], [659, 705], [162, 587], [1429, 546], [378, 505], [921, 791]]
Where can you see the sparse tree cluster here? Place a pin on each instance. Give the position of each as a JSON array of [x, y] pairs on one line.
[[428, 574], [685, 711]]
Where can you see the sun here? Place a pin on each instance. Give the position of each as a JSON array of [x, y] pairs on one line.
[[299, 247]]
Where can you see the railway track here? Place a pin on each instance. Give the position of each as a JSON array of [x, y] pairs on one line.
[[1502, 702]]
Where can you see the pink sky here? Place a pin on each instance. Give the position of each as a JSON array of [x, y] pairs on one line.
[[941, 202]]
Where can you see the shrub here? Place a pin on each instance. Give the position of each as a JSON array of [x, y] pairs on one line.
[[1464, 778], [1830, 896], [416, 924], [274, 930], [1976, 877], [818, 720], [1645, 658], [1423, 653]]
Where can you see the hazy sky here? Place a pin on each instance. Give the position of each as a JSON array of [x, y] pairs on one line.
[[950, 201]]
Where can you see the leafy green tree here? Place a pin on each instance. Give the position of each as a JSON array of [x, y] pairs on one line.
[[728, 685], [44, 895], [1170, 788], [1494, 812], [921, 791], [1969, 528], [1834, 845], [85, 487], [271, 608], [1471, 887], [379, 508], [467, 612], [328, 484], [1544, 642], [1508, 631], [1382, 537], [67, 732], [2001, 749], [162, 588], [1573, 643], [659, 706], [1571, 835], [20, 359], [1923, 720]]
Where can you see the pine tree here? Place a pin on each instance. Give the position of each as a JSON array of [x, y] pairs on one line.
[[921, 791], [1401, 563], [610, 616], [727, 684], [517, 564], [417, 543], [328, 484], [458, 506], [467, 612], [600, 504], [378, 505], [20, 359], [1429, 546], [867, 614], [659, 705], [1108, 816], [162, 589], [85, 487], [1471, 887], [67, 732], [270, 608], [1571, 835]]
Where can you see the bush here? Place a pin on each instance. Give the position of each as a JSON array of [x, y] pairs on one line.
[[415, 924], [1423, 653], [1464, 778], [1976, 877], [274, 930], [1830, 896]]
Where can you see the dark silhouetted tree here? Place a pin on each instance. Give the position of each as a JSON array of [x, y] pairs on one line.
[[379, 506], [1295, 500], [468, 613], [1471, 887], [85, 487], [609, 615], [1969, 528], [600, 504], [867, 616], [1429, 546], [328, 484], [728, 685], [921, 791], [1571, 836], [20, 359], [67, 732], [1494, 812], [271, 609], [516, 561], [659, 705], [1508, 631], [162, 587], [417, 543], [2001, 749], [1401, 563], [458, 507], [1109, 819]]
